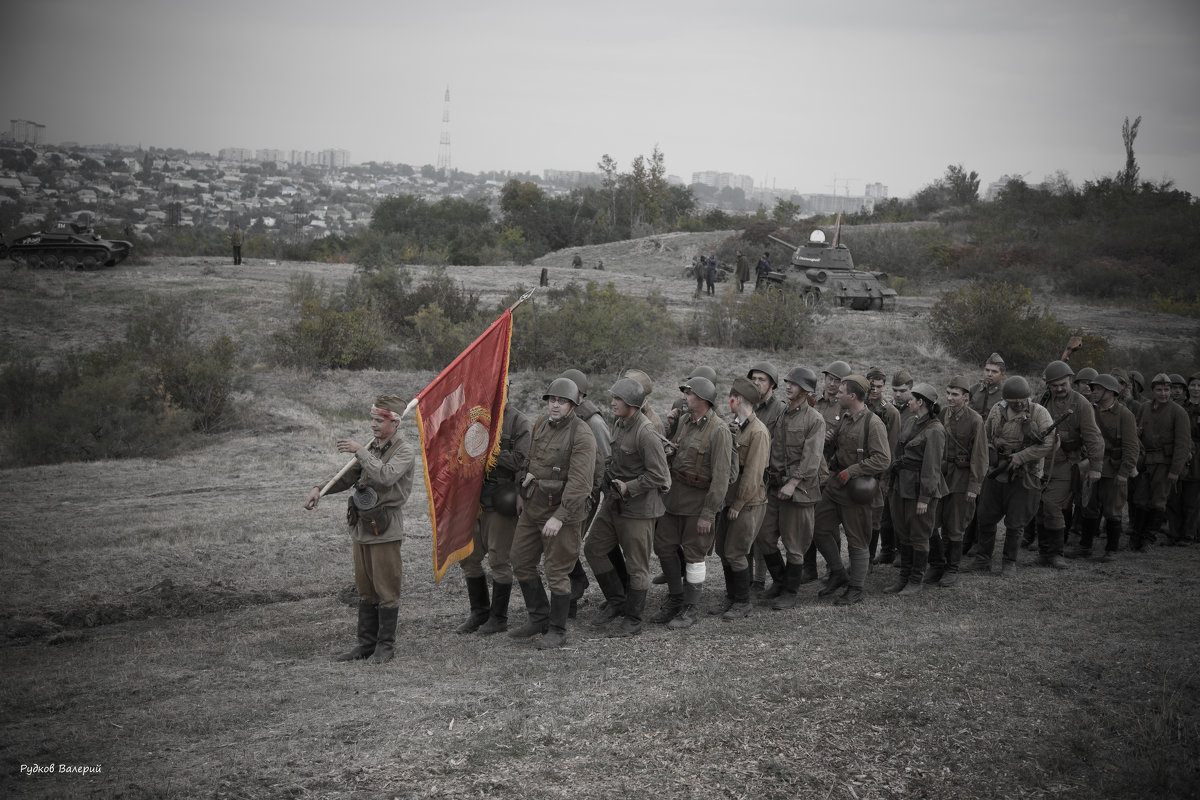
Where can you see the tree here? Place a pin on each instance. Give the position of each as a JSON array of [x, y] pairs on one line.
[[1128, 177], [609, 167], [785, 212], [963, 186]]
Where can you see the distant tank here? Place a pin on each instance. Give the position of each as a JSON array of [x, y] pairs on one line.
[[68, 246], [827, 275]]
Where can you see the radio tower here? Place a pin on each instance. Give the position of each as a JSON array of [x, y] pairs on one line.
[[443, 163]]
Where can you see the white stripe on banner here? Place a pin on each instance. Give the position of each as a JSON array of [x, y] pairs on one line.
[[449, 407]]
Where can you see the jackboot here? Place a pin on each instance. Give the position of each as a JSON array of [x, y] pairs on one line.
[[481, 608], [635, 608], [1052, 548], [1089, 527], [498, 620], [386, 636], [778, 571], [741, 606], [669, 610], [860, 565], [1029, 536], [953, 558], [887, 540], [937, 559], [1112, 539], [919, 559], [579, 584], [727, 600], [614, 593], [537, 607], [791, 589], [556, 633], [617, 559], [689, 615], [758, 570], [809, 573], [368, 631], [837, 579], [906, 565]]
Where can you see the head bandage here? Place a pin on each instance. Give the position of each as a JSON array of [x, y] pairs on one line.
[[383, 412]]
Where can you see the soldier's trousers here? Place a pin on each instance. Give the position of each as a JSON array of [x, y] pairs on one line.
[[1183, 511], [493, 538], [954, 512], [736, 537], [635, 538], [913, 529], [1013, 502], [378, 570], [791, 522], [673, 530], [561, 552]]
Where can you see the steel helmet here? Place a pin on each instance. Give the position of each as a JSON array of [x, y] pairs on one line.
[[1087, 374], [629, 391], [862, 488], [703, 371], [803, 377], [580, 379], [766, 368], [642, 378], [1106, 382], [702, 388], [926, 392], [838, 369], [1015, 388], [1056, 370], [1177, 378], [505, 499], [1161, 377], [565, 388], [1136, 377]]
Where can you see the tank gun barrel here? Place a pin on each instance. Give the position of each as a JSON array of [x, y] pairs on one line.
[[788, 245]]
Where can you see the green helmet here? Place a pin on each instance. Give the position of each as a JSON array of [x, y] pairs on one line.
[[1087, 374], [704, 372], [1107, 382], [803, 377], [766, 368], [580, 379], [564, 388], [1057, 370], [838, 369], [862, 488], [628, 391], [1015, 388], [702, 388], [926, 392]]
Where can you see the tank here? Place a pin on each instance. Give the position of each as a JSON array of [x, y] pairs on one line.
[[827, 275], [69, 246]]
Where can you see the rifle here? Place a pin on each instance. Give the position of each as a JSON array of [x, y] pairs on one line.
[[1004, 465]]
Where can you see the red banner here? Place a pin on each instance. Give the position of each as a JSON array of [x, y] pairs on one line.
[[459, 416]]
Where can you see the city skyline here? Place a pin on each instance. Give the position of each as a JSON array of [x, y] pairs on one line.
[[783, 92]]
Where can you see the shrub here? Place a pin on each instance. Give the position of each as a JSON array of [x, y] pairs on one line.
[[774, 319], [986, 317], [436, 340], [327, 335], [716, 324]]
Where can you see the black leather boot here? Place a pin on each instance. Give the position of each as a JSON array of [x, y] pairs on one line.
[[741, 607], [791, 590], [727, 600], [481, 607], [498, 619], [937, 559], [953, 559], [538, 608], [689, 614], [614, 593], [919, 559], [775, 566], [579, 584], [368, 631], [906, 565], [556, 633], [635, 610], [386, 636]]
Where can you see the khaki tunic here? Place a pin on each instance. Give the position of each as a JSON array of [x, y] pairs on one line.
[[702, 455], [966, 459], [984, 398], [1118, 428], [753, 444], [1006, 431], [847, 440], [769, 411], [1077, 437], [1165, 432], [797, 444], [392, 480], [494, 531]]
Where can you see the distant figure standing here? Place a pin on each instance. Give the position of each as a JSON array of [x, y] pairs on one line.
[[743, 271], [599, 263], [698, 271], [710, 274], [577, 262], [762, 269], [236, 240]]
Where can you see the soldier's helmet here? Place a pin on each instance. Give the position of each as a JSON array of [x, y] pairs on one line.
[[838, 369], [505, 500], [926, 392], [861, 489], [1015, 388], [704, 371], [642, 378], [629, 391], [1056, 370], [565, 388], [766, 368], [579, 378], [1176, 378], [1087, 374], [1161, 377], [1105, 381], [1137, 379], [803, 377], [703, 388]]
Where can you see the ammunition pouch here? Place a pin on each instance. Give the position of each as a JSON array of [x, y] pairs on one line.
[[375, 518], [552, 489], [691, 478]]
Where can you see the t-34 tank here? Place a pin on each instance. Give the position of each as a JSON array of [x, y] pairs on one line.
[[68, 246], [827, 275]]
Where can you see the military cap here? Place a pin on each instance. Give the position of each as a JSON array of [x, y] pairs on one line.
[[1120, 375], [704, 371], [1087, 374], [701, 387], [1177, 378], [875, 373], [860, 381], [959, 382], [902, 378], [766, 368], [1161, 377], [1108, 382], [926, 392], [565, 388], [995, 358], [838, 369], [392, 403], [579, 378], [643, 379], [745, 388]]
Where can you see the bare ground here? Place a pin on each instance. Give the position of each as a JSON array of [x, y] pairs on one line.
[[170, 623]]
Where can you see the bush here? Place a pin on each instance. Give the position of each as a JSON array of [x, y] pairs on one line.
[[716, 324], [327, 335], [987, 317], [436, 340], [592, 328], [775, 319]]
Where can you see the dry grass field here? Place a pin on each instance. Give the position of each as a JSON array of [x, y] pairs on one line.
[[167, 626]]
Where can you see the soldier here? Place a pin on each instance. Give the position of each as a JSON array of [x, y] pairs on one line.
[[745, 502], [794, 487], [830, 409], [647, 389], [1107, 498], [376, 534], [1179, 388], [1127, 396], [699, 455], [769, 409], [1079, 445], [1015, 428], [494, 530], [881, 521], [860, 456], [1165, 431], [680, 407], [586, 410], [551, 507], [1183, 507], [636, 478], [917, 486], [743, 271], [902, 384], [963, 466], [986, 393], [1083, 382]]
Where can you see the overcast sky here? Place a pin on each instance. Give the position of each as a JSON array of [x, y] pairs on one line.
[[793, 93]]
